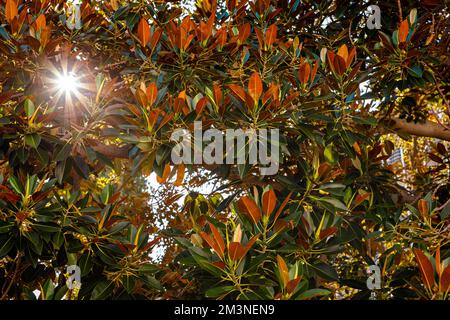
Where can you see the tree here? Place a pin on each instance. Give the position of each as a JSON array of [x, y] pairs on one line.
[[88, 109]]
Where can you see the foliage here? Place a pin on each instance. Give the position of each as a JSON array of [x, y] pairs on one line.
[[74, 165]]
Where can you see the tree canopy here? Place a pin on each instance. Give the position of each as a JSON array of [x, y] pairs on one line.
[[88, 105]]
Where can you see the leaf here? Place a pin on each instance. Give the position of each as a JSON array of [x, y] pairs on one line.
[[238, 91], [237, 235], [255, 87], [284, 271], [11, 10], [102, 290], [303, 72], [236, 251], [283, 204], [357, 148], [325, 271], [340, 65], [312, 293], [360, 198], [249, 206], [6, 246], [416, 71], [426, 268], [165, 175], [40, 22], [180, 174], [292, 284], [218, 239], [144, 32], [444, 281], [403, 31], [218, 291], [269, 200], [412, 16], [33, 140], [330, 155], [422, 204], [29, 108], [343, 52], [152, 93], [271, 35], [48, 290], [85, 263]]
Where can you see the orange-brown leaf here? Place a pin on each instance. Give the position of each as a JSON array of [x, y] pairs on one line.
[[327, 232], [143, 32], [201, 105], [244, 32], [351, 56], [269, 200], [155, 37], [283, 204], [40, 22], [314, 71], [423, 208], [238, 91], [303, 72], [444, 281], [218, 239], [340, 65], [249, 206], [255, 86], [343, 52], [211, 242], [360, 198], [292, 285], [357, 148], [403, 31], [152, 93], [180, 175], [284, 271], [271, 35], [11, 10], [438, 261], [426, 268], [165, 175], [217, 91], [236, 251]]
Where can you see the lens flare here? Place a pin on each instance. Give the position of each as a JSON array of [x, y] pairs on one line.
[[68, 82]]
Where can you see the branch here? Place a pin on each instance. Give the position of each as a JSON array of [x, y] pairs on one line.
[[427, 129]]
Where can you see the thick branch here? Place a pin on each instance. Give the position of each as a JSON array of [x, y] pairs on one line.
[[427, 129]]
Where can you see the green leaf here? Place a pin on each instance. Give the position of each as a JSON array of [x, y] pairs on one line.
[[149, 268], [85, 263], [152, 282], [5, 246], [416, 71], [33, 140], [29, 107], [445, 212], [128, 283], [15, 184], [60, 292], [325, 271], [312, 293], [102, 290], [46, 227], [5, 226], [48, 290], [218, 291], [330, 155]]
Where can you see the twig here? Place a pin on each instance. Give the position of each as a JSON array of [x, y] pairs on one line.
[[400, 10], [6, 290]]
